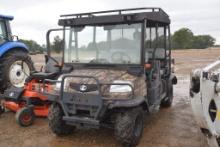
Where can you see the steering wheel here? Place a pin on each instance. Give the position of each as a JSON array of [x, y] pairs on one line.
[[101, 60], [120, 57]]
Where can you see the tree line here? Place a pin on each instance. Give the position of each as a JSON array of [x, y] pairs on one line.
[[181, 39], [36, 48], [185, 39]]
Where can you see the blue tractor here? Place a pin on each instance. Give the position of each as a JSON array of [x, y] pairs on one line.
[[15, 62]]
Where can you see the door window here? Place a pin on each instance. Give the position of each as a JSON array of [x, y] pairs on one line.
[[2, 31]]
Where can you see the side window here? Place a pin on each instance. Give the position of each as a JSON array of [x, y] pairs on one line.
[[2, 30], [56, 45], [155, 38], [167, 38], [161, 38], [150, 41]]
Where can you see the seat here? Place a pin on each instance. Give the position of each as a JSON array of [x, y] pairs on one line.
[[42, 76], [159, 54]]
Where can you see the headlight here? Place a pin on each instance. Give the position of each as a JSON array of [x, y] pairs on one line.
[[58, 84], [121, 88]]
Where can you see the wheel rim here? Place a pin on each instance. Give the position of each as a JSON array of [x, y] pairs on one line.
[[18, 72], [26, 118], [138, 126]]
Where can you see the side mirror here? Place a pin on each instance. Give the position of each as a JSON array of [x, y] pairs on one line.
[[15, 38]]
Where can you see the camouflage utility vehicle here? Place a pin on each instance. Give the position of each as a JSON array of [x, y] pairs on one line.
[[121, 63]]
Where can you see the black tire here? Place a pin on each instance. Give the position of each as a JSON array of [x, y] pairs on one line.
[[168, 100], [25, 116], [56, 123], [2, 109], [5, 63], [129, 126]]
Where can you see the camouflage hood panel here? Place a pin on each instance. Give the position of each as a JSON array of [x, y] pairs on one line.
[[107, 76]]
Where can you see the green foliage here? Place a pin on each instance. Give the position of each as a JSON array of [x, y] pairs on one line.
[[184, 39], [203, 41], [33, 46], [57, 45]]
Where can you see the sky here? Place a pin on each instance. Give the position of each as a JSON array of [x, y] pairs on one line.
[[34, 17]]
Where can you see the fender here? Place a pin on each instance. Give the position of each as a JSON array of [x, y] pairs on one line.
[[140, 100], [12, 45]]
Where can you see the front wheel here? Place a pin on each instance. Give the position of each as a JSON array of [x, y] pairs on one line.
[[2, 109], [15, 67], [56, 123], [129, 126], [25, 116]]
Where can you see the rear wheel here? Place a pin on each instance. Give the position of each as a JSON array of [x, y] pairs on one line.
[[2, 109], [129, 126], [15, 67], [56, 123], [168, 100], [25, 116]]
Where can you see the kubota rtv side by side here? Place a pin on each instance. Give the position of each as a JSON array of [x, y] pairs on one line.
[[121, 63]]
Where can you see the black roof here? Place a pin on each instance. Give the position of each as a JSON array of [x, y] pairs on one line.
[[152, 15]]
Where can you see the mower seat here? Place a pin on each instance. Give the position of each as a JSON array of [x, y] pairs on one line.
[[42, 76]]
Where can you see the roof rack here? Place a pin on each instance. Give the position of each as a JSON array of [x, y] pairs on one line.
[[119, 11], [6, 17]]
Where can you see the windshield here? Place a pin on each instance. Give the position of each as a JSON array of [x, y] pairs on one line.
[[2, 31], [109, 44]]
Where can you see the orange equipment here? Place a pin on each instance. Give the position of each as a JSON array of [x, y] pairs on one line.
[[29, 101]]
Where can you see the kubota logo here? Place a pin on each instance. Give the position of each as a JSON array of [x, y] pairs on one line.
[[11, 94], [83, 88]]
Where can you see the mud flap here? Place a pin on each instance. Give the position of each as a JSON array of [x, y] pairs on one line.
[[154, 86]]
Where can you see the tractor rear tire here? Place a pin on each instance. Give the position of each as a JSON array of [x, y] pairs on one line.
[[7, 61], [56, 123], [25, 116], [129, 126]]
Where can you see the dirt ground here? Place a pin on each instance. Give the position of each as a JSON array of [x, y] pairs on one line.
[[172, 127]]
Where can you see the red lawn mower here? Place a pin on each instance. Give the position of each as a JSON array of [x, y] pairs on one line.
[[30, 101]]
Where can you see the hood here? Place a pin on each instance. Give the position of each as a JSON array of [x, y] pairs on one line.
[[104, 76]]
